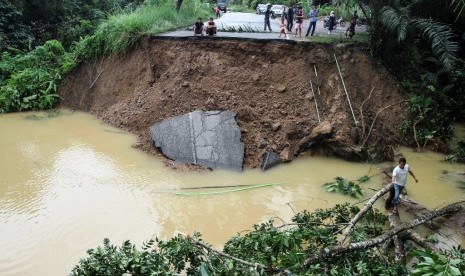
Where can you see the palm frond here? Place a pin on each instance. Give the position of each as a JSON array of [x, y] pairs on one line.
[[441, 39], [396, 20], [458, 6]]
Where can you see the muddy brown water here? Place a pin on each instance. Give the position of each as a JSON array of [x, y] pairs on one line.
[[67, 182]]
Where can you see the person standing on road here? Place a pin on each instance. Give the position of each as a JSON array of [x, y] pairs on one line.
[[268, 14], [198, 27], [350, 32], [217, 11], [331, 22], [290, 18], [299, 19], [313, 19], [399, 178], [282, 26]]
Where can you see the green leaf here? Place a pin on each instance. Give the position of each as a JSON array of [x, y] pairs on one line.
[[454, 271]]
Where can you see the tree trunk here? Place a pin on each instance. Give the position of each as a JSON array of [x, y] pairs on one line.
[[419, 240], [178, 5], [394, 220], [362, 212], [418, 210], [339, 249]]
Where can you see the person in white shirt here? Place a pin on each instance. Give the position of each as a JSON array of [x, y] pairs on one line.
[[399, 178]]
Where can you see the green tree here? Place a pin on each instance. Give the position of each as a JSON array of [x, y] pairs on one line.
[[13, 33]]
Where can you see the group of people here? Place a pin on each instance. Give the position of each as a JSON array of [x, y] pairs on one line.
[[200, 27], [296, 14]]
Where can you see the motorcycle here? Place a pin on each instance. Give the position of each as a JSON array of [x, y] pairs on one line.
[[362, 21], [339, 21]]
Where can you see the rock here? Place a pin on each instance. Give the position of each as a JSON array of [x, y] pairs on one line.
[[276, 126], [262, 144], [309, 97], [270, 159], [285, 155], [256, 77], [185, 84], [210, 139], [281, 88]]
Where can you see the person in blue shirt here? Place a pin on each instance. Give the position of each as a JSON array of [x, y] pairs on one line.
[[313, 19]]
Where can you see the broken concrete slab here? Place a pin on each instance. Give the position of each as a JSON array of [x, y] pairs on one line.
[[211, 139], [270, 159]]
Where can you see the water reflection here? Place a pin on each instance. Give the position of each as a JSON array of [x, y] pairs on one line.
[[69, 181]]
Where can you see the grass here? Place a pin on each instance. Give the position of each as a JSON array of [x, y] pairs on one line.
[[361, 37], [121, 31], [240, 8]]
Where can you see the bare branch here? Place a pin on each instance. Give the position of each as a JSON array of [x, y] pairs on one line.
[[339, 249], [361, 111], [365, 209], [415, 136], [374, 120]]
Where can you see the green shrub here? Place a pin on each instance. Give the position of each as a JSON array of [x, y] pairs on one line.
[[29, 81], [458, 153], [431, 263], [278, 248], [123, 30]]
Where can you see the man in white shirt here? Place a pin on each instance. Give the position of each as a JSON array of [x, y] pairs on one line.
[[399, 178]]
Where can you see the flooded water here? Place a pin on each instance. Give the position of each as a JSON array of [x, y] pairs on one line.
[[69, 181]]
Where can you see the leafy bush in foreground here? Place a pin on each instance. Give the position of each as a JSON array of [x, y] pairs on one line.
[[266, 250]]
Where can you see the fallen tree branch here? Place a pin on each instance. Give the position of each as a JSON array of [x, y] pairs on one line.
[[376, 116], [394, 221], [339, 249], [361, 111], [98, 76], [365, 209], [209, 248], [416, 238], [415, 136], [417, 210]]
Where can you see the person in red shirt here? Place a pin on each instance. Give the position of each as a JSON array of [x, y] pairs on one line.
[[299, 17], [282, 25]]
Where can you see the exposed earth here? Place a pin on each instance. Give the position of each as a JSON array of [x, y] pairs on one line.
[[267, 83]]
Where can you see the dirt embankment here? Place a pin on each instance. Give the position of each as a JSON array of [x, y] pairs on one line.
[[266, 83]]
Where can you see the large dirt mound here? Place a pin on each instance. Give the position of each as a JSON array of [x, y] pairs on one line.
[[267, 83]]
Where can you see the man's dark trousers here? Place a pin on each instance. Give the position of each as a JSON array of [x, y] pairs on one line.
[[312, 25]]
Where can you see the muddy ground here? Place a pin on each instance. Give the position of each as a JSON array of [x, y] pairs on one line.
[[267, 83]]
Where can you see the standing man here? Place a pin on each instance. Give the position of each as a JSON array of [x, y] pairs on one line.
[[290, 18], [313, 19], [268, 13], [350, 32], [299, 19], [399, 178]]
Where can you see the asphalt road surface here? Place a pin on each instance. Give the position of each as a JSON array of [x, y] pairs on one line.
[[249, 21]]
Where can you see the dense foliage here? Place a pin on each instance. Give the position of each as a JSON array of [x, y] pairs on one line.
[[33, 22], [422, 43], [29, 79], [266, 250], [430, 263]]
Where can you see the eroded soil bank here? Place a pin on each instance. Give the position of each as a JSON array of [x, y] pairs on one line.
[[267, 83]]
